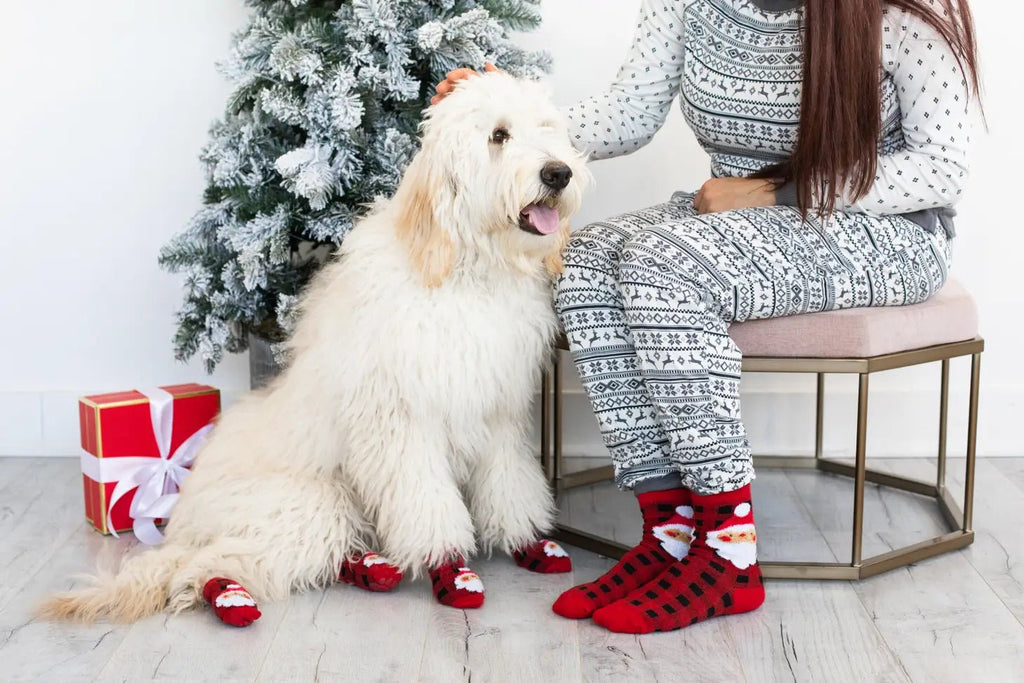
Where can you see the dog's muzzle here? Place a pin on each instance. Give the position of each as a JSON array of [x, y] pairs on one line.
[[541, 217]]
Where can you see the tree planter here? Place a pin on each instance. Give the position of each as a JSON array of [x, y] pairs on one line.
[[263, 367]]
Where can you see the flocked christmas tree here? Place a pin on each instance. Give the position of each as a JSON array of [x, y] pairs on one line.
[[322, 120]]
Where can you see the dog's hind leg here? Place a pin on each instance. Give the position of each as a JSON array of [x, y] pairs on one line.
[[223, 558], [511, 501], [272, 534]]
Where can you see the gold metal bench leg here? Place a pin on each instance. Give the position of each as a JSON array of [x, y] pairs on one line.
[[972, 443], [940, 480], [819, 418], [556, 420], [860, 476], [545, 421]]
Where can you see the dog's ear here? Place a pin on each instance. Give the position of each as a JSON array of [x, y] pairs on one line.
[[431, 250], [553, 262]]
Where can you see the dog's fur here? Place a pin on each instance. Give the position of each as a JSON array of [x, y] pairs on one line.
[[401, 423]]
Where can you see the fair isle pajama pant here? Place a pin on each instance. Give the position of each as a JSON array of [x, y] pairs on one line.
[[647, 298]]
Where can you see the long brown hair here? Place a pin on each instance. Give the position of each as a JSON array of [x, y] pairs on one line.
[[840, 117]]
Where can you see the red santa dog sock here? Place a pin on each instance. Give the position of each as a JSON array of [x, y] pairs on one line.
[[230, 602], [718, 576], [544, 557], [456, 585], [667, 532], [372, 572]]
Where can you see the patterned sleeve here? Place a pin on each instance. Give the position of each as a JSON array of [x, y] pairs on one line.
[[625, 118], [931, 171]]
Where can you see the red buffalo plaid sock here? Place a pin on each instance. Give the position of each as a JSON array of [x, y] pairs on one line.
[[456, 585], [641, 564], [719, 575], [230, 602], [544, 557], [372, 572]]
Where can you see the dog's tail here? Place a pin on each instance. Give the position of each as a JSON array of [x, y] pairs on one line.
[[139, 589]]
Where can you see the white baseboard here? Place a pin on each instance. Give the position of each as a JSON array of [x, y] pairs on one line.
[[900, 422]]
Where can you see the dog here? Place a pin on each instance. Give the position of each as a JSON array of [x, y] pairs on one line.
[[400, 424]]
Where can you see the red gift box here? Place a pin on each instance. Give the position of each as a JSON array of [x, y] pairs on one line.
[[138, 446]]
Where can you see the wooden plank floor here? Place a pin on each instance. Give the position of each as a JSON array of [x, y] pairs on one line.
[[953, 618]]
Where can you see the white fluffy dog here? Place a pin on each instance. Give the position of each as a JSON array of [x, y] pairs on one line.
[[401, 423]]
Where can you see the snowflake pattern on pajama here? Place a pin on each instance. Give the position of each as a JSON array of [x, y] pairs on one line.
[[647, 298]]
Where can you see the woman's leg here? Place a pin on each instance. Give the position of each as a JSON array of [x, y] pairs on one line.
[[592, 312], [682, 284]]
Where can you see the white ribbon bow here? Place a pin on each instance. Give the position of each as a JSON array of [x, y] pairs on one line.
[[157, 479]]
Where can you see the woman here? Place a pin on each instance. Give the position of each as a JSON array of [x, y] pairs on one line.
[[828, 192]]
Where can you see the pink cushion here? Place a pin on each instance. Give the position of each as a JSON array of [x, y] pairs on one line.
[[949, 316]]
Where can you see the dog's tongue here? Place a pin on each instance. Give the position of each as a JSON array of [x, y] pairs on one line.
[[542, 217]]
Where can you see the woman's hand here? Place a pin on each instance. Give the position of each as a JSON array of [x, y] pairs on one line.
[[451, 80], [727, 194]]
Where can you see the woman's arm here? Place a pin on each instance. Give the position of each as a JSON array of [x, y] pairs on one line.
[[625, 118]]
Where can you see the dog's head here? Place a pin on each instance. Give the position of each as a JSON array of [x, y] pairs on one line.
[[496, 177]]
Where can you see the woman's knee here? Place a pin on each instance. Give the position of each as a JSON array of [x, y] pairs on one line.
[[595, 246], [590, 260]]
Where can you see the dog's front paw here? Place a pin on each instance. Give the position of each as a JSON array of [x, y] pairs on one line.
[[456, 585]]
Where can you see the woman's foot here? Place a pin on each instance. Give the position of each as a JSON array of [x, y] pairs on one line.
[[456, 585], [230, 602], [718, 576], [372, 572], [544, 557], [666, 538]]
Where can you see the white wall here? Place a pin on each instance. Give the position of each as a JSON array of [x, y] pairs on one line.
[[103, 109]]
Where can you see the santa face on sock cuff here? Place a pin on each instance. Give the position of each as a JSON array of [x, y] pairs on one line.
[[676, 533], [736, 540]]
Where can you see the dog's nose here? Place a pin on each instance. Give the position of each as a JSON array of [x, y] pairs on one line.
[[555, 175]]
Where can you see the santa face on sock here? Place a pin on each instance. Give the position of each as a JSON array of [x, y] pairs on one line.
[[552, 549], [234, 596], [370, 559], [736, 539], [676, 533], [467, 580]]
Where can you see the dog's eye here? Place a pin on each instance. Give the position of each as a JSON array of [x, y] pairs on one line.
[[500, 135]]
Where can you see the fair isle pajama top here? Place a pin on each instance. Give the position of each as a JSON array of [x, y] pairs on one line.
[[647, 297]]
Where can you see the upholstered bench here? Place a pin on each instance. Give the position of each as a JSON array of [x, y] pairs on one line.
[[857, 341]]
